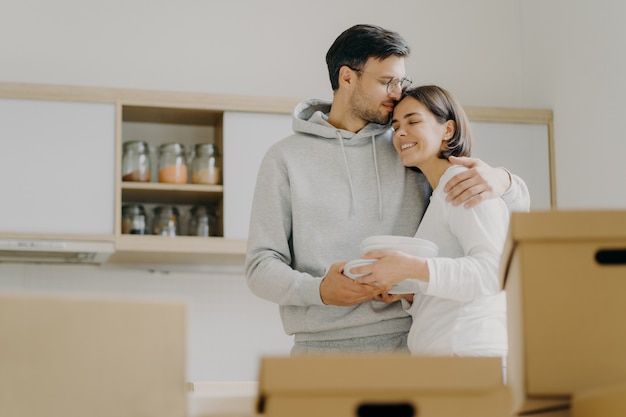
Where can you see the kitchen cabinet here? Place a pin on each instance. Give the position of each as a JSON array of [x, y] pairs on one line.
[[247, 136], [240, 135], [522, 141], [57, 166], [96, 190], [523, 149], [158, 125]]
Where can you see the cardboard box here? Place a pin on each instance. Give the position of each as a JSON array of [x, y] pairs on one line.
[[565, 277], [558, 411], [85, 356], [382, 385], [600, 402]]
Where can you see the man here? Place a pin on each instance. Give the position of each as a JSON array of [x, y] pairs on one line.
[[337, 180]]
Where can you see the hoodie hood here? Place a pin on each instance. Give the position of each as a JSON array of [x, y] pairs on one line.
[[311, 117]]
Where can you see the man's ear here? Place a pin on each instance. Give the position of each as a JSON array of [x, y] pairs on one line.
[[347, 76]]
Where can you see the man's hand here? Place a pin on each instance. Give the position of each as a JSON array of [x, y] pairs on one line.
[[480, 182], [392, 298], [337, 289]]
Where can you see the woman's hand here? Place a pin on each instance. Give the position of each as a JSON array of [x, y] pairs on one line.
[[390, 268]]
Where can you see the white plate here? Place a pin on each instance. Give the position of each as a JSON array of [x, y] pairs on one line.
[[388, 239], [397, 243], [394, 240], [411, 245], [416, 250], [355, 263], [408, 286]]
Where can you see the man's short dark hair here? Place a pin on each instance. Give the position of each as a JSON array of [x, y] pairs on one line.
[[359, 43]]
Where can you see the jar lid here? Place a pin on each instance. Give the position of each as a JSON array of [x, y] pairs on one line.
[[135, 145], [206, 149], [165, 210], [176, 148], [133, 209], [199, 211]]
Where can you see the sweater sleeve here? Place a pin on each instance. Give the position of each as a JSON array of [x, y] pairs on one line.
[[481, 232], [268, 260], [517, 197]]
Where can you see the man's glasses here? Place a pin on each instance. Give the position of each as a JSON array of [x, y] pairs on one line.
[[392, 85]]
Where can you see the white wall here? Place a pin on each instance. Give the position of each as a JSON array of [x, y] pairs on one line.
[[575, 63], [228, 330], [566, 55], [561, 54], [267, 48]]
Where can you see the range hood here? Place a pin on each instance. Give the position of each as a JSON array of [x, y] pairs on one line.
[[54, 251]]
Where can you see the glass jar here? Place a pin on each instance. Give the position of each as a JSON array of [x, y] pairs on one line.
[[165, 221], [134, 219], [205, 165], [202, 221], [172, 164], [135, 161]]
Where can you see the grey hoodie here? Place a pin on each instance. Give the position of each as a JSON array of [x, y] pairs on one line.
[[319, 193]]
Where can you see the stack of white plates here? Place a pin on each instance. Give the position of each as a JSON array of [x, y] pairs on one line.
[[410, 245]]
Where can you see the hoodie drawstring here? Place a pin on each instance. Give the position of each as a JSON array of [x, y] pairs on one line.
[[345, 161], [380, 194], [353, 198]]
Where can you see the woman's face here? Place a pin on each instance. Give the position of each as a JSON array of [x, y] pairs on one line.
[[418, 136]]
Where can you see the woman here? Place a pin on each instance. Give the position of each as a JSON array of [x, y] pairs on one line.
[[458, 307]]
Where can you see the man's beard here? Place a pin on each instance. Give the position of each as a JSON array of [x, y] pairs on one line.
[[362, 109], [372, 116]]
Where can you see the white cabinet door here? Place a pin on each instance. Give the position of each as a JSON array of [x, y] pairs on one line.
[[247, 136], [523, 149], [57, 167]]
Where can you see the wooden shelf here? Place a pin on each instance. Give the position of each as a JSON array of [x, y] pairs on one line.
[[147, 192], [188, 250], [146, 114], [153, 122]]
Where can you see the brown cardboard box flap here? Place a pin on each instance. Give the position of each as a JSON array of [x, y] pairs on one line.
[[377, 376], [561, 226]]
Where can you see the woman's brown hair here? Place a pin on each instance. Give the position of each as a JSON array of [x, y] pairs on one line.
[[445, 106]]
